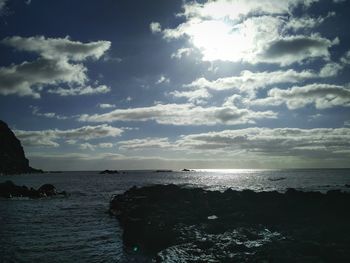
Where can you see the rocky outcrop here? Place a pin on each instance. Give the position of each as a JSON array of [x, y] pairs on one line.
[[8, 190], [176, 224], [12, 158]]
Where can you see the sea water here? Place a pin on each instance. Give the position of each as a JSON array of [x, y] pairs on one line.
[[77, 228]]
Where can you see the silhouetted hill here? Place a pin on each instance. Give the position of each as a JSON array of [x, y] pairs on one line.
[[12, 157]]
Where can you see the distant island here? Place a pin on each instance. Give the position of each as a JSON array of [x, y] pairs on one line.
[[109, 172], [12, 157]]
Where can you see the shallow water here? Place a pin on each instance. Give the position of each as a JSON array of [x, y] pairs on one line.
[[77, 227]]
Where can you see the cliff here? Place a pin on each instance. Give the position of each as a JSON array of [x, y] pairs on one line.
[[12, 157]]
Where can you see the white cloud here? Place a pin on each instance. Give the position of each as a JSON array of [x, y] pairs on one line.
[[83, 90], [93, 147], [51, 115], [144, 143], [181, 52], [346, 58], [182, 114], [306, 22], [330, 69], [28, 78], [58, 48], [249, 81], [235, 9], [87, 146], [105, 145], [53, 67], [271, 142], [321, 95], [48, 138], [155, 27], [106, 105], [195, 96], [254, 32], [162, 79]]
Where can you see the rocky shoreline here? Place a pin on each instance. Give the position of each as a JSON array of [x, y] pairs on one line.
[[9, 190], [175, 224]]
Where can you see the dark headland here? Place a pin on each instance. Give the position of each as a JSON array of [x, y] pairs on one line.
[[175, 224], [12, 157]]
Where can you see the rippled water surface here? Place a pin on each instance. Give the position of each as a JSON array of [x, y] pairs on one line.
[[77, 228]]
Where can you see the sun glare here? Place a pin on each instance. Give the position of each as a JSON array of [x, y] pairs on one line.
[[219, 40]]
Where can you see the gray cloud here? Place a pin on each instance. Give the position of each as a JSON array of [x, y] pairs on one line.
[[28, 78], [182, 114], [49, 138], [321, 95], [292, 49]]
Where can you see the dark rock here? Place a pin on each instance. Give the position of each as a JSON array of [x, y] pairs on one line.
[[186, 170], [276, 179], [12, 158], [164, 171], [48, 190], [171, 223], [8, 190], [109, 172]]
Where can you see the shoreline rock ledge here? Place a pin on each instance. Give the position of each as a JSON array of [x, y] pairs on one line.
[[175, 224], [12, 157], [9, 190]]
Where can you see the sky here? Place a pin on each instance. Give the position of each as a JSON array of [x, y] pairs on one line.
[[152, 84]]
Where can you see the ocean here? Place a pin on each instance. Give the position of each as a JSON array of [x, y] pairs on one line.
[[78, 228]]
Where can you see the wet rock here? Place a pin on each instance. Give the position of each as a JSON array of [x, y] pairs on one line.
[[48, 190], [8, 190], [177, 224]]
